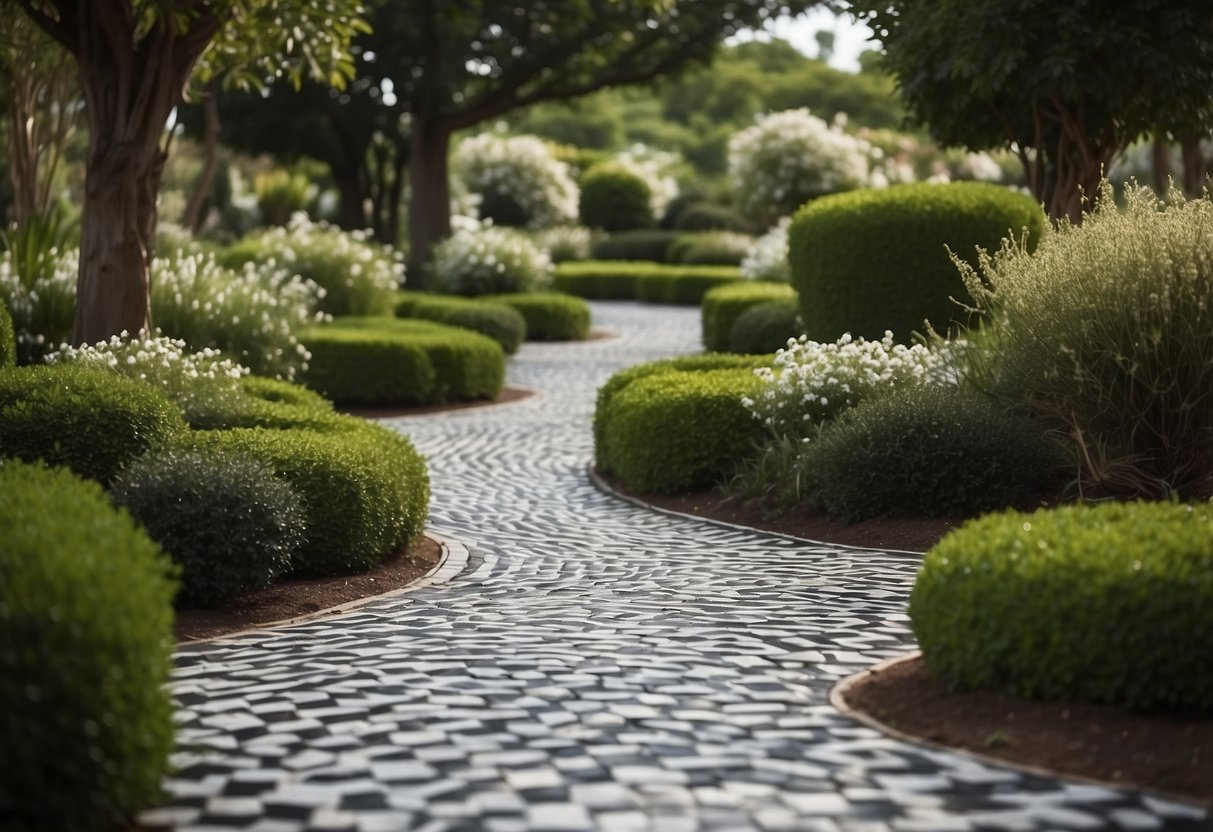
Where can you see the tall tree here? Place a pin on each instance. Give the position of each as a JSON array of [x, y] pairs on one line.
[[135, 58], [1068, 85]]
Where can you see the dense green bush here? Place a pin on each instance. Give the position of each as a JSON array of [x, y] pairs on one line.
[[679, 431], [615, 198], [684, 285], [649, 246], [86, 633], [393, 361], [365, 490], [599, 279], [225, 519], [255, 401], [766, 327], [926, 451], [710, 248], [877, 259], [722, 306], [8, 338], [1111, 603], [707, 216], [488, 259], [88, 418], [498, 321], [550, 316]]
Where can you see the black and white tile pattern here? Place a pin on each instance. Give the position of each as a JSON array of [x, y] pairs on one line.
[[596, 667]]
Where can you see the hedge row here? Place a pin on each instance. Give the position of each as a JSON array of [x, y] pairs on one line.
[[648, 282], [498, 321], [549, 316], [723, 305]]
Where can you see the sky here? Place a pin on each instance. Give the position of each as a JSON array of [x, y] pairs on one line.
[[850, 37]]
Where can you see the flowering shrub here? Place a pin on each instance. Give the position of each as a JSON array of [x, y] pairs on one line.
[[359, 277], [565, 242], [254, 314], [812, 383], [655, 168], [787, 158], [767, 258], [519, 180], [41, 301], [489, 260]]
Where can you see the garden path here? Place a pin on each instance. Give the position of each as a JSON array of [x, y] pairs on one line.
[[596, 666]]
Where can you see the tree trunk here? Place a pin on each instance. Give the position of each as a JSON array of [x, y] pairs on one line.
[[351, 211], [195, 213], [430, 202], [1194, 166], [1160, 158]]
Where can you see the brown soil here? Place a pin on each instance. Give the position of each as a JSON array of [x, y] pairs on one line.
[[507, 395]]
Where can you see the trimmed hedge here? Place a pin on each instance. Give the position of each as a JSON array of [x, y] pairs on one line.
[[599, 279], [261, 402], [1111, 603], [365, 489], [87, 418], [644, 281], [711, 248], [86, 635], [683, 285], [766, 327], [877, 259], [614, 198], [722, 306], [708, 216], [390, 361], [651, 246], [498, 321], [680, 431], [8, 338], [550, 316], [926, 451]]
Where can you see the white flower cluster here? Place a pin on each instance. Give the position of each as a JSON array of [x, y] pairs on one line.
[[43, 304], [787, 158], [485, 260], [812, 382], [522, 170], [655, 168], [255, 313], [767, 258], [565, 242]]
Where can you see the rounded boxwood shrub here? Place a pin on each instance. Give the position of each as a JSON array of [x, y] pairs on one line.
[[711, 248], [550, 316], [87, 418], [683, 285], [499, 321], [708, 216], [766, 327], [263, 402], [926, 451], [680, 431], [873, 260], [86, 633], [615, 198], [1110, 603], [8, 338], [651, 246], [365, 489], [394, 361], [722, 306], [224, 518]]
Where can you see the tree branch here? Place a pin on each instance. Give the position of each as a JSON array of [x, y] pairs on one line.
[[65, 30]]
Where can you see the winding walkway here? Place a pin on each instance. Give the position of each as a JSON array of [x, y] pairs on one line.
[[596, 666]]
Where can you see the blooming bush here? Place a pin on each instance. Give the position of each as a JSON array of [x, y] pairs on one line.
[[767, 258], [519, 180], [254, 314], [489, 260], [655, 167], [41, 300], [787, 158], [566, 242]]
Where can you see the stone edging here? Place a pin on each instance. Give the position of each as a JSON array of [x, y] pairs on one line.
[[838, 701]]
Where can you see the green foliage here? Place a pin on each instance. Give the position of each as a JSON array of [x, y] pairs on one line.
[[365, 489], [614, 198], [8, 338], [87, 418], [1103, 333], [765, 327], [371, 361], [224, 518], [875, 260], [1110, 603], [598, 279], [649, 246], [499, 321], [707, 216], [257, 402], [550, 316], [280, 194], [39, 289], [86, 633], [723, 305], [679, 431], [684, 285], [710, 248], [941, 452]]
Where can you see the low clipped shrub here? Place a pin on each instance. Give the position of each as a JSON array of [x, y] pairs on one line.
[[487, 260], [682, 285], [498, 321], [650, 246], [926, 451], [365, 489], [1110, 603], [680, 431], [86, 634], [8, 338], [368, 361], [550, 316], [615, 198], [722, 306], [598, 279], [877, 259], [87, 418], [225, 519], [711, 248], [708, 216], [766, 327]]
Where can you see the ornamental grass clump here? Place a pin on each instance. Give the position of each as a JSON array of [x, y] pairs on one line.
[[489, 260], [1105, 334]]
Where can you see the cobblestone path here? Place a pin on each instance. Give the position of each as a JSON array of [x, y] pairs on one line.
[[596, 666]]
